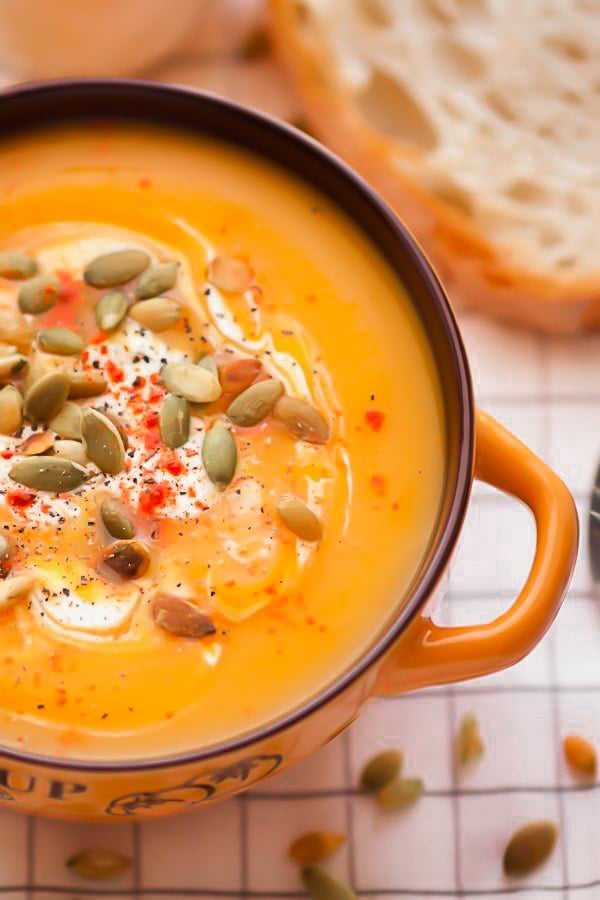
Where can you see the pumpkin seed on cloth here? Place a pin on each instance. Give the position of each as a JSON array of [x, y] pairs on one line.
[[174, 421], [255, 403], [11, 409], [49, 473], [194, 383], [98, 865], [322, 885], [103, 443], [580, 754], [111, 309], [219, 455], [17, 266], [39, 294], [239, 374], [299, 518], [400, 793], [157, 280], [115, 521], [118, 267], [315, 846], [67, 423], [230, 274], [11, 365], [83, 385], [380, 770], [469, 744], [73, 450], [180, 617], [62, 341], [157, 314], [302, 420], [129, 559], [37, 444], [15, 589], [46, 397], [529, 847]]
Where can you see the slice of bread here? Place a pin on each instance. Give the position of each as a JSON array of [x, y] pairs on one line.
[[479, 121]]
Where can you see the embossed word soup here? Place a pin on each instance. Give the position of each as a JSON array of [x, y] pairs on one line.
[[222, 443]]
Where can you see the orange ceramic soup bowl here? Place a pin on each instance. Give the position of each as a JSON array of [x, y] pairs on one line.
[[404, 649]]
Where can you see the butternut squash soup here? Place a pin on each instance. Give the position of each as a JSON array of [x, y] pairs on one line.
[[222, 446]]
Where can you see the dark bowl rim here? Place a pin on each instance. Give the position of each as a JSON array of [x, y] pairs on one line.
[[437, 565]]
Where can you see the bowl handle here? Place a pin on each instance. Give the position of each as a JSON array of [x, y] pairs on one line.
[[428, 654]]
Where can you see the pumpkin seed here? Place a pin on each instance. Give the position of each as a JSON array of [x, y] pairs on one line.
[[73, 450], [111, 309], [580, 754], [39, 294], [157, 314], [117, 423], [180, 617], [322, 885], [115, 521], [67, 423], [45, 399], [469, 745], [302, 420], [208, 362], [12, 365], [252, 405], [6, 552], [157, 280], [17, 266], [529, 847], [60, 340], [14, 329], [84, 385], [14, 589], [129, 559], [230, 274], [98, 864], [188, 380], [219, 455], [239, 374], [11, 410], [35, 370], [380, 770], [103, 443], [37, 444], [174, 421], [400, 793], [115, 268], [299, 518], [315, 846], [49, 473]]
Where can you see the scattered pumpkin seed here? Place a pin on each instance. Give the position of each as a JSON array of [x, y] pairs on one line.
[[39, 294], [400, 793], [174, 421], [17, 266], [73, 450], [157, 314], [67, 423], [98, 865], [48, 473], [11, 409], [45, 399], [252, 405], [230, 274], [129, 559], [60, 340], [219, 455], [188, 380], [299, 518], [12, 365], [208, 362], [529, 847], [14, 329], [157, 280], [322, 885], [6, 550], [302, 420], [115, 521], [103, 443], [37, 444], [117, 423], [380, 770], [111, 309], [239, 374], [315, 846], [84, 385], [469, 745], [180, 617], [115, 268], [580, 754], [35, 370], [14, 589]]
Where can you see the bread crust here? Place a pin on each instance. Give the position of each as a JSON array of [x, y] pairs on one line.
[[473, 270]]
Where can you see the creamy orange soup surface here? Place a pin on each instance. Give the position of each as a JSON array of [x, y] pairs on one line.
[[222, 449]]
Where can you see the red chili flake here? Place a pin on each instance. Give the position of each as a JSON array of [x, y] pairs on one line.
[[151, 439], [378, 484], [115, 373], [154, 378], [144, 182], [139, 382], [104, 350], [375, 419], [151, 419], [154, 497], [174, 466], [19, 498], [155, 395], [98, 338], [7, 454]]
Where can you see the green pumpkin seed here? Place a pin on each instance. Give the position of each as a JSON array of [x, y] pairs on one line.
[[60, 340], [45, 399], [37, 444], [49, 473], [39, 294], [67, 423], [208, 362], [302, 420], [17, 266], [117, 423], [315, 846], [11, 410], [299, 518], [129, 559], [111, 309], [380, 770], [252, 405], [157, 314], [115, 268], [98, 865], [219, 455], [529, 847], [157, 280], [174, 421], [400, 793], [103, 443], [14, 589], [115, 521], [322, 885], [12, 365], [35, 370], [188, 380], [83, 385], [73, 450], [469, 745], [180, 617]]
